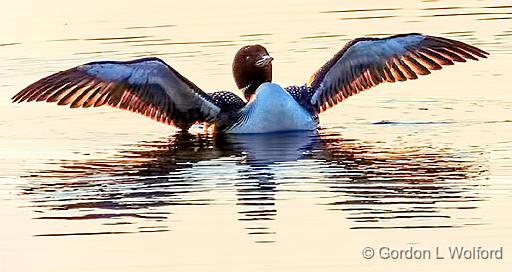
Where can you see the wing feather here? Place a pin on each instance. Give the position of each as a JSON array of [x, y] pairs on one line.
[[146, 86], [366, 62]]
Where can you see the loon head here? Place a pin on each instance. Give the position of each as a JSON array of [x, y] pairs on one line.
[[252, 66]]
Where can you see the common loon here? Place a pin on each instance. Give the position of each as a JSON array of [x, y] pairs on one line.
[[152, 88]]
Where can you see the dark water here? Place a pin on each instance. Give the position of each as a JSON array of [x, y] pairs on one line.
[[424, 163]]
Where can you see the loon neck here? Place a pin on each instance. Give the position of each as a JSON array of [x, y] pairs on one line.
[[249, 90]]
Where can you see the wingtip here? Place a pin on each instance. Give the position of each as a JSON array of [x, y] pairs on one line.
[[17, 98], [483, 54]]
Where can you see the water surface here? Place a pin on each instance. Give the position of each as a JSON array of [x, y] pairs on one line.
[[424, 163]]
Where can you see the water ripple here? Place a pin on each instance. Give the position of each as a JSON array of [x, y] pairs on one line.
[[150, 27], [374, 187]]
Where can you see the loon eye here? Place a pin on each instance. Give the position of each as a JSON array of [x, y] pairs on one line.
[[247, 57]]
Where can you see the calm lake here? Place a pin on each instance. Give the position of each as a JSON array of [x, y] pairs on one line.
[[424, 164]]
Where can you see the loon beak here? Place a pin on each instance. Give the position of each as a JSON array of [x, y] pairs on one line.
[[264, 61]]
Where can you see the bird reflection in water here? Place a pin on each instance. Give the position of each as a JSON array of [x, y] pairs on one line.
[[373, 186]]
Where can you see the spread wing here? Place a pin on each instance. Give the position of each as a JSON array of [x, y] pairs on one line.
[[146, 86], [367, 62]]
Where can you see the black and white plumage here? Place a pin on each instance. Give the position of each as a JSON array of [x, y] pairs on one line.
[[366, 62], [152, 88], [146, 86]]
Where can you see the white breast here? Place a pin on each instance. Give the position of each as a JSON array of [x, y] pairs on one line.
[[273, 109]]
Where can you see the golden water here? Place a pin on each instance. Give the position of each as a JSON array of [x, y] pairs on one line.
[[424, 163]]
